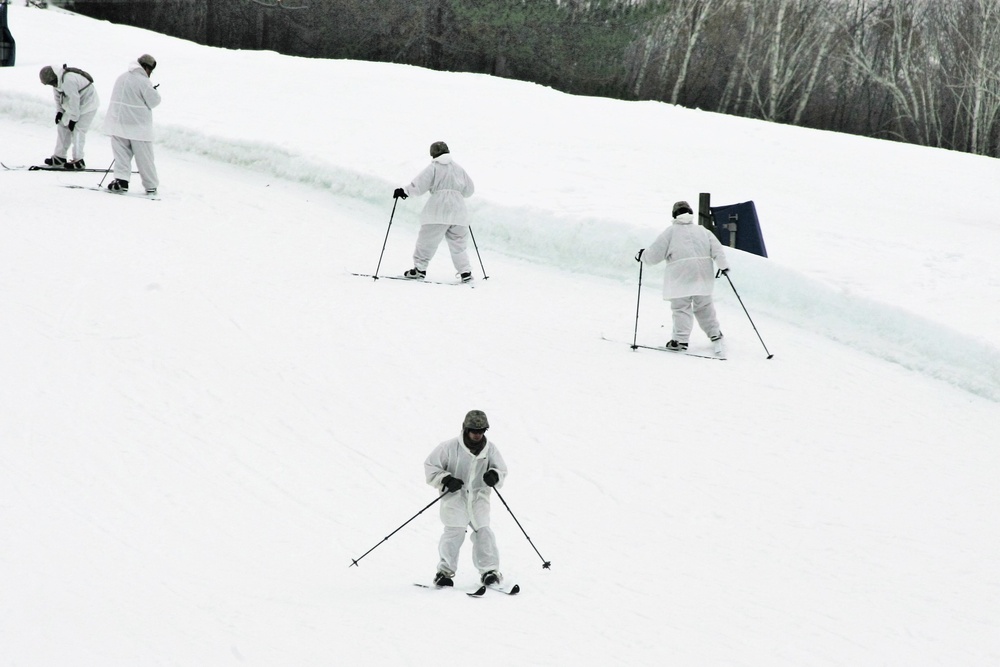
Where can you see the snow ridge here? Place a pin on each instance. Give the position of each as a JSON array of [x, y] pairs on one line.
[[605, 248]]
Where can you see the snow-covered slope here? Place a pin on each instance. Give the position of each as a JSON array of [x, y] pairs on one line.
[[206, 417]]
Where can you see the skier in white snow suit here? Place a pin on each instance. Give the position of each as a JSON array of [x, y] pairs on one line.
[[130, 123], [445, 216], [76, 105], [466, 468], [689, 251]]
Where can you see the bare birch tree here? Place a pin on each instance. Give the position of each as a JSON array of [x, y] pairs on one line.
[[695, 13], [974, 30], [794, 38], [897, 59]]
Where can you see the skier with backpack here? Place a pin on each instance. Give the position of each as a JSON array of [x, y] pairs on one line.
[[76, 105]]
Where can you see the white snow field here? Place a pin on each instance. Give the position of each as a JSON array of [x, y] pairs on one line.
[[204, 417]]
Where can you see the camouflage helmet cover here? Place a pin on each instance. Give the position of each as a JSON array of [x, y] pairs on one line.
[[439, 148], [475, 419], [681, 207], [47, 76]]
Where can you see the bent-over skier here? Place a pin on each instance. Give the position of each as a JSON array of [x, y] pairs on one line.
[[76, 105]]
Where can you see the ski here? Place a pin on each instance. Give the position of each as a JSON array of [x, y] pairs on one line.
[[505, 589], [480, 591], [434, 587], [500, 588], [717, 357], [412, 280], [44, 167], [38, 167], [685, 352], [97, 188]]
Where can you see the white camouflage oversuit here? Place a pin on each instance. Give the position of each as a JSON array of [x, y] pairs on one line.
[[76, 99], [689, 251], [445, 214], [469, 507], [129, 121]]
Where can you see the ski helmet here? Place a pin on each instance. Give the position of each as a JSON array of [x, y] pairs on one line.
[[439, 148], [475, 420], [48, 76], [682, 207]]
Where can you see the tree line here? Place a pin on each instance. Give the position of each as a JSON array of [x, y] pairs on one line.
[[918, 71]]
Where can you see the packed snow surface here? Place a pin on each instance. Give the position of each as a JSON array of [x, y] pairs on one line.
[[205, 416]]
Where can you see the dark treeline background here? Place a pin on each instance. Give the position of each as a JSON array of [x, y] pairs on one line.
[[919, 71]]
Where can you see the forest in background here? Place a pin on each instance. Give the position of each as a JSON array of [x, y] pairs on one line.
[[918, 71]]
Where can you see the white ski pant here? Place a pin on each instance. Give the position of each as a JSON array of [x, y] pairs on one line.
[[124, 150], [429, 239], [77, 139], [685, 310], [484, 550]]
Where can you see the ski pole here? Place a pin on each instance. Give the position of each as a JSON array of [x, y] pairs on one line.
[[474, 245], [394, 202], [726, 274], [545, 563], [106, 172], [635, 333], [354, 561]]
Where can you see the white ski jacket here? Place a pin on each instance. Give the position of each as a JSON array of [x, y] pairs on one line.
[[449, 185], [471, 503], [689, 251], [75, 95], [130, 111]]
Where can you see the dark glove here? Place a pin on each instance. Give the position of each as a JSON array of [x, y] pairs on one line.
[[724, 272], [71, 125], [638, 255], [58, 117], [491, 477], [399, 193], [156, 86], [451, 484]]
